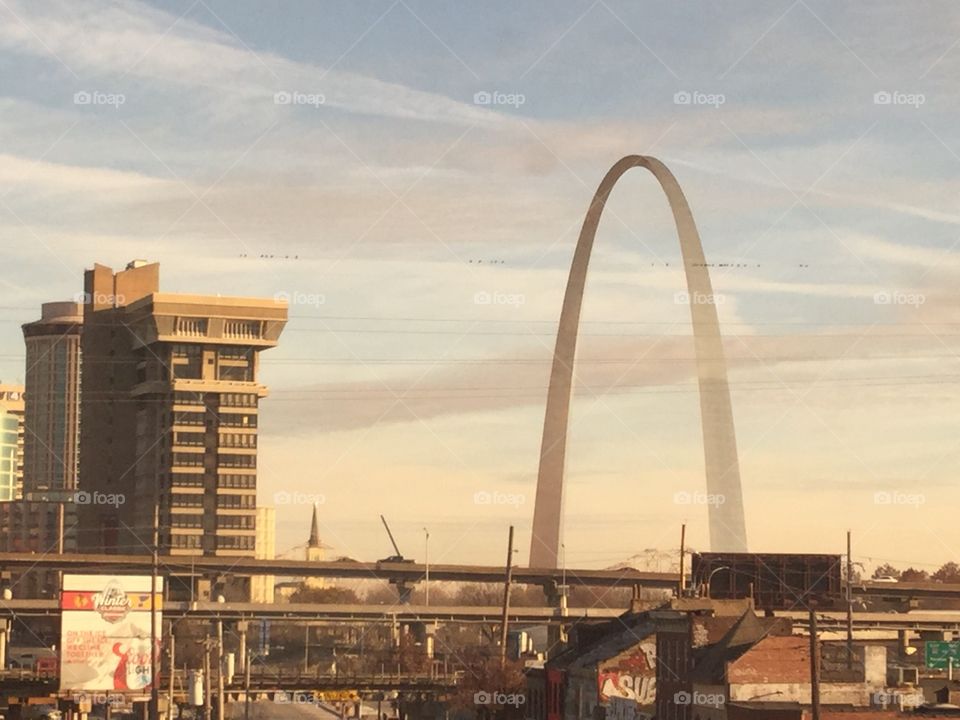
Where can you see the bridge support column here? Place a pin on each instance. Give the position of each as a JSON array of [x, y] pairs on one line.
[[242, 627], [556, 596], [3, 643]]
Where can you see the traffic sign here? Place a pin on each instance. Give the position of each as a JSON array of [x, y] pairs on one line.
[[937, 654]]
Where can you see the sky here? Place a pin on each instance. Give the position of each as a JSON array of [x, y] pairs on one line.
[[412, 177]]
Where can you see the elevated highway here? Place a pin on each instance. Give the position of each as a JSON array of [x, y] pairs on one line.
[[407, 572]]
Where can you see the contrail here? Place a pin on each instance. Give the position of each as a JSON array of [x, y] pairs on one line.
[[727, 526]]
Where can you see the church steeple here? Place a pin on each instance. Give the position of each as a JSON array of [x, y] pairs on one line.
[[314, 541]]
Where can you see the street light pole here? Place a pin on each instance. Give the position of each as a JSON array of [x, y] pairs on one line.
[[710, 577], [426, 557]]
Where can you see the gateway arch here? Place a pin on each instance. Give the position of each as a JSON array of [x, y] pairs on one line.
[[727, 527]]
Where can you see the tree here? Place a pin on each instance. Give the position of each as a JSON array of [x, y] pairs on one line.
[[327, 596], [914, 575], [948, 573], [886, 570], [491, 691]]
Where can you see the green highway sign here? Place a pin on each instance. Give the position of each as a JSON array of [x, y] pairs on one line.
[[937, 654]]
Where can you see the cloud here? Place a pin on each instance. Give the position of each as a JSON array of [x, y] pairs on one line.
[[118, 42]]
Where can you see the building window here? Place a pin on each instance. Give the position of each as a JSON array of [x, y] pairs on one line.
[[234, 502], [183, 459], [237, 461], [188, 438], [238, 440], [235, 542], [186, 521], [186, 500], [237, 481]]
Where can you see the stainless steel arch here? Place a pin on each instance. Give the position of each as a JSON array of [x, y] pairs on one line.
[[727, 527]]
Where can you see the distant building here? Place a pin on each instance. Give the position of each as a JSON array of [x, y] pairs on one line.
[[52, 413], [11, 441], [262, 586], [44, 520], [169, 414], [758, 669], [314, 552]]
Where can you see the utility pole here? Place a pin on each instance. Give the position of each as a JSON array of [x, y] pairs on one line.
[[206, 676], [246, 686], [220, 663], [173, 669], [683, 551], [849, 603], [154, 655], [814, 666], [426, 557], [506, 601]]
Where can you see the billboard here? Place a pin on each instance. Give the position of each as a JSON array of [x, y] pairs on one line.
[[105, 632], [776, 581]]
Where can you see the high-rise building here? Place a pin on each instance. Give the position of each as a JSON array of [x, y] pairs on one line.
[[262, 586], [52, 411], [11, 441], [44, 520], [169, 410]]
